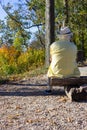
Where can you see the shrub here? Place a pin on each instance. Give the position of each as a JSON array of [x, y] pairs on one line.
[[13, 61]]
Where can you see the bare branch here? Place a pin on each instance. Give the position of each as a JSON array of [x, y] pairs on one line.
[[36, 25]]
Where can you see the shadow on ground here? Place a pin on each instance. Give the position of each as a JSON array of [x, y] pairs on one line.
[[23, 89]]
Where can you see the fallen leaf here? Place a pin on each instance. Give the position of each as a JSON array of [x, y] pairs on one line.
[[69, 119], [13, 116], [18, 107], [63, 99]]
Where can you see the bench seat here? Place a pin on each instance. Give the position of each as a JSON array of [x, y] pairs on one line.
[[54, 81]]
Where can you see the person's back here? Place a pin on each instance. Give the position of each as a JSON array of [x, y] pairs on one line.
[[63, 54], [63, 64]]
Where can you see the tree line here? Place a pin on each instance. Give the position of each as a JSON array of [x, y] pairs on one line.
[[30, 14]]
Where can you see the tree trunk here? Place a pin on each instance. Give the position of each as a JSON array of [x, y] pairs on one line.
[[83, 48], [49, 26], [66, 11]]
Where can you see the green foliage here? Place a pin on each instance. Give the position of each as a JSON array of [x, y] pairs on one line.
[[12, 61], [77, 21], [37, 8], [30, 59], [31, 13], [18, 42]]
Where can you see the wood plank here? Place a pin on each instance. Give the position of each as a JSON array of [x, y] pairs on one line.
[[67, 81]]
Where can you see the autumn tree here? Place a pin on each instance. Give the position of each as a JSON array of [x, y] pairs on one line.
[[30, 14]]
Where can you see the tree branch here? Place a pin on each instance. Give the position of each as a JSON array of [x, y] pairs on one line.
[[17, 21]]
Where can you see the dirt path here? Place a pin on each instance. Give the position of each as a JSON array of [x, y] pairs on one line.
[[25, 106]]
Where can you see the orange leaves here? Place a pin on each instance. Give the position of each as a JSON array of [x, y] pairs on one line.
[[8, 52], [13, 61], [7, 59]]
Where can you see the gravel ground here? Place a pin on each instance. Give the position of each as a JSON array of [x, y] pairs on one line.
[[25, 106]]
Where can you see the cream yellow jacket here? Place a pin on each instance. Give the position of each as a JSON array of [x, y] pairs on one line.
[[63, 60]]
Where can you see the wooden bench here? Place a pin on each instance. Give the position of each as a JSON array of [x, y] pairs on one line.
[[74, 81]]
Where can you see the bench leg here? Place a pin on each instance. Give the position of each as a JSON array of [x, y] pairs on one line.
[[76, 93], [50, 87], [49, 90]]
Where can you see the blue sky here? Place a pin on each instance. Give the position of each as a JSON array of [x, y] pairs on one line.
[[2, 12]]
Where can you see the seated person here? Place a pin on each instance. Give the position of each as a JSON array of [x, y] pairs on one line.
[[63, 55]]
